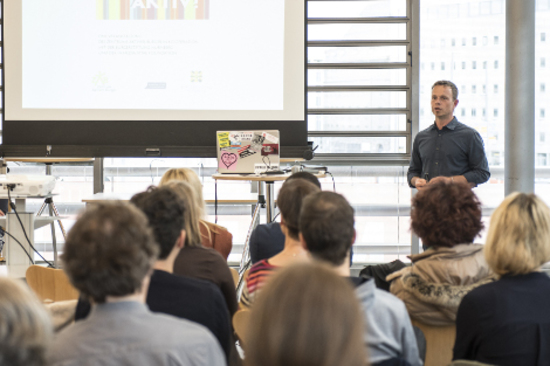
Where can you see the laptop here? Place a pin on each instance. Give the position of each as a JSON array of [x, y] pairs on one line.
[[248, 152]]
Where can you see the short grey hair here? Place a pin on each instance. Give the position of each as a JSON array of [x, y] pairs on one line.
[[25, 326]]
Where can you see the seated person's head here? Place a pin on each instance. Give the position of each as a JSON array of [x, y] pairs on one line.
[[446, 214], [190, 177], [306, 315], [518, 241], [306, 176], [327, 226], [109, 251], [289, 201], [25, 326], [165, 210], [191, 216]]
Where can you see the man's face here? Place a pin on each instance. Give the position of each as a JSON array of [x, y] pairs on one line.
[[443, 104]]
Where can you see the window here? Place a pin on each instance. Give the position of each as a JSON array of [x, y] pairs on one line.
[[495, 40], [474, 41], [473, 112], [443, 66], [463, 112], [474, 89], [484, 88], [496, 64], [485, 40], [543, 37], [432, 66], [463, 65], [542, 137], [495, 112], [484, 112], [464, 41], [484, 65], [495, 88], [541, 159], [453, 42], [542, 113], [542, 62], [542, 87], [474, 65]]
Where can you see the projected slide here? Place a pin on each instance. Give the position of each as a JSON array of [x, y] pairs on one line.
[[207, 55]]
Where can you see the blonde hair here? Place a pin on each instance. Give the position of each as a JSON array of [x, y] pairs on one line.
[[306, 315], [25, 326], [518, 241], [190, 177], [191, 225]]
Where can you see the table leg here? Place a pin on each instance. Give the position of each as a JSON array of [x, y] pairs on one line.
[[269, 201]]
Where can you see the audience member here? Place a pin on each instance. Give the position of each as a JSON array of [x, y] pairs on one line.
[[267, 240], [196, 261], [307, 315], [289, 201], [447, 217], [108, 256], [185, 297], [212, 235], [25, 326], [507, 322], [327, 232]]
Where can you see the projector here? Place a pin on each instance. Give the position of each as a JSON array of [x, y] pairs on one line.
[[26, 184]]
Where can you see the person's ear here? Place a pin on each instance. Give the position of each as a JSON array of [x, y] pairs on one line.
[[303, 242], [456, 102], [180, 243], [354, 237]]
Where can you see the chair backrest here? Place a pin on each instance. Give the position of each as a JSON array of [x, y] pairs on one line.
[[235, 275], [241, 321], [439, 343], [468, 363], [50, 284]]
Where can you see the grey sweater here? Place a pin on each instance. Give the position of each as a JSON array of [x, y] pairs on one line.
[[127, 333]]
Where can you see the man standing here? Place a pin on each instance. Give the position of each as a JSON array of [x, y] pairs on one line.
[[447, 150]]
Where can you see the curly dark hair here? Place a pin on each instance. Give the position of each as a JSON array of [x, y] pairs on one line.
[[446, 214], [109, 251]]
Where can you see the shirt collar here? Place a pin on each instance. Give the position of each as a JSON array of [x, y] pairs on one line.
[[451, 125]]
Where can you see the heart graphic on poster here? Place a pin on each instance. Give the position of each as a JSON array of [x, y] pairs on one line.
[[229, 159]]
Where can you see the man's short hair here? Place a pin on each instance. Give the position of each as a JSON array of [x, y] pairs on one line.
[[304, 175], [327, 226], [290, 201], [165, 210], [109, 251], [26, 329], [449, 84]]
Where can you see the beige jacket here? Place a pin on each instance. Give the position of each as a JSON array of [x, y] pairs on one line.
[[438, 279]]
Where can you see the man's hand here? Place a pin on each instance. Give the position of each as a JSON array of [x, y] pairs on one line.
[[441, 179], [419, 183], [2, 213]]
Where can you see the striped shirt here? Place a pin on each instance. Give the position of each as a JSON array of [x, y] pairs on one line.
[[255, 280]]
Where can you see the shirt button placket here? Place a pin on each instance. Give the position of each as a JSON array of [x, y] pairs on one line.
[[437, 152]]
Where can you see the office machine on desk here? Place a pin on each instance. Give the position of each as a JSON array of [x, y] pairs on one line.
[[20, 224], [27, 185]]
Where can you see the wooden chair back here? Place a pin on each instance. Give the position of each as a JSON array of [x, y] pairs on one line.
[[439, 343], [50, 284], [241, 321], [235, 275]]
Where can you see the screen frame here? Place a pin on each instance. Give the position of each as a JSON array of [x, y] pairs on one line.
[[141, 138]]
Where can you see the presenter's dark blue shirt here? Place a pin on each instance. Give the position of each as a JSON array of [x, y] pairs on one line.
[[456, 149]]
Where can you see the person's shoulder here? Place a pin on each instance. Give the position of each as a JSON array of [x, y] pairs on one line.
[[267, 230], [184, 282]]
